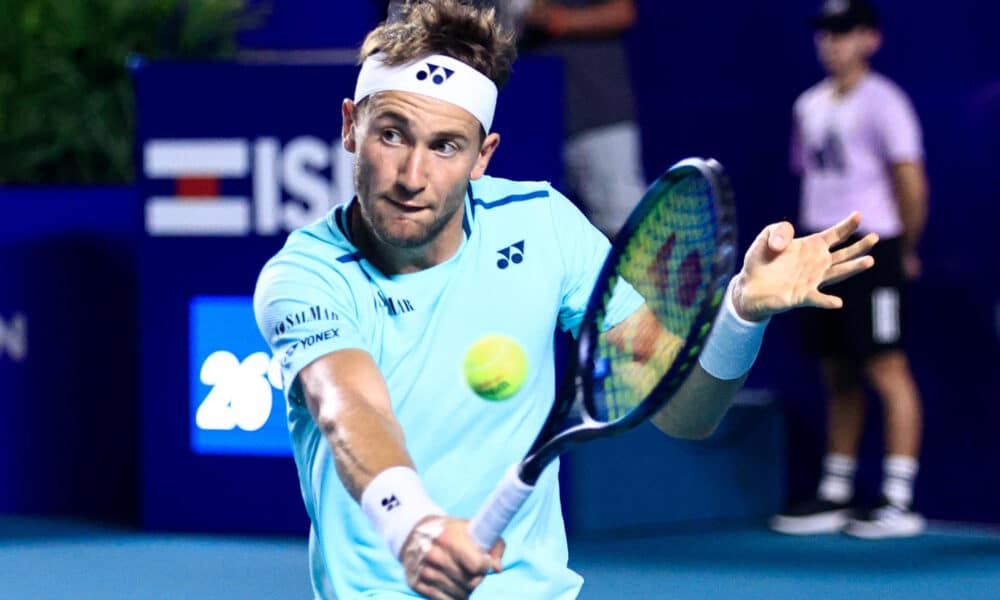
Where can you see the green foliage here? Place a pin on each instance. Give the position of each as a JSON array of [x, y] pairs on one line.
[[66, 109]]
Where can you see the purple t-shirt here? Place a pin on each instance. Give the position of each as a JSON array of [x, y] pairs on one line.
[[843, 147]]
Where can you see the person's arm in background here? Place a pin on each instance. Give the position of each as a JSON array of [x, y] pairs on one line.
[[901, 139], [909, 182], [607, 19]]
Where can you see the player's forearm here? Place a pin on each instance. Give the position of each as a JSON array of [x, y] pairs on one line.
[[348, 400], [729, 352], [364, 444], [698, 406], [910, 188]]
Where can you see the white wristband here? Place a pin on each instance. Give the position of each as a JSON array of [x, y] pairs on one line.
[[394, 502], [733, 345]]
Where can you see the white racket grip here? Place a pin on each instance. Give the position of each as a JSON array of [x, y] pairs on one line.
[[486, 527]]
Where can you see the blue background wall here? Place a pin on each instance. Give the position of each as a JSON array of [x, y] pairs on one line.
[[69, 407]]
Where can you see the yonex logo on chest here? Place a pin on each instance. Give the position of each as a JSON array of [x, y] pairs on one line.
[[437, 75], [511, 254]]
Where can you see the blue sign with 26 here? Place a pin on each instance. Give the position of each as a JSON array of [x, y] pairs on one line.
[[237, 404]]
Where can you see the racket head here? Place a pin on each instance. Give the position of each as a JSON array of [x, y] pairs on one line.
[[678, 251], [582, 411]]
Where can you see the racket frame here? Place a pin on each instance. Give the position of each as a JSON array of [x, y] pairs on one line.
[[578, 380]]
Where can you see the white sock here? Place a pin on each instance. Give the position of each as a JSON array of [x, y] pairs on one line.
[[837, 484], [898, 473]]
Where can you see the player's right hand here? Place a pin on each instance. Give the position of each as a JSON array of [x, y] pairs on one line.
[[442, 562]]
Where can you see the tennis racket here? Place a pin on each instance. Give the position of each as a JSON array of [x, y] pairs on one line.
[[677, 252]]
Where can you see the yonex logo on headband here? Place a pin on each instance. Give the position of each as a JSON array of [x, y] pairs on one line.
[[467, 88], [437, 74]]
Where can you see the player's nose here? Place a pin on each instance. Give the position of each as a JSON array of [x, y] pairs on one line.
[[412, 175]]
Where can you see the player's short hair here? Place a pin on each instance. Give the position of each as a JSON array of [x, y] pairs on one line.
[[466, 33]]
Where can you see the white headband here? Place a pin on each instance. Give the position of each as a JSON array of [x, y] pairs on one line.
[[437, 76]]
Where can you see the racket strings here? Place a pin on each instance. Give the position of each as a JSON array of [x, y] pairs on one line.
[[668, 261]]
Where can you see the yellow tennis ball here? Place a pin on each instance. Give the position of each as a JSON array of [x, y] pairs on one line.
[[496, 367]]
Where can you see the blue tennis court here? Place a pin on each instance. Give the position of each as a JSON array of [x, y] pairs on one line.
[[54, 560]]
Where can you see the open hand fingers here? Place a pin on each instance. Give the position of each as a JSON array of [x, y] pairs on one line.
[[842, 271], [821, 300], [858, 248], [779, 235], [843, 230]]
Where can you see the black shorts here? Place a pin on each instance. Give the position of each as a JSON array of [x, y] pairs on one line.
[[871, 320]]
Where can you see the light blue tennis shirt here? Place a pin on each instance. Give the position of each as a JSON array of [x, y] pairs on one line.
[[526, 266]]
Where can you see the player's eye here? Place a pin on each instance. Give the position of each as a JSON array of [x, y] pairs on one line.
[[391, 136], [447, 148]]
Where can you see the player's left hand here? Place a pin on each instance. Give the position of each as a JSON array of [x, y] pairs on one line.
[[782, 272]]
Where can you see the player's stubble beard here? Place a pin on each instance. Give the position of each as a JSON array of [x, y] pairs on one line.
[[375, 220]]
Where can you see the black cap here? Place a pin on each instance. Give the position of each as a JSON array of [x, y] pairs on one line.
[[840, 16]]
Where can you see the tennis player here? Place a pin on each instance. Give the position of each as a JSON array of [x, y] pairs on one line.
[[857, 145], [371, 310]]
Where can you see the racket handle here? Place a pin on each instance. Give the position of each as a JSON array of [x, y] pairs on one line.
[[486, 527]]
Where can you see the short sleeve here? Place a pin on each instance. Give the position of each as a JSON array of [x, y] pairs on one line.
[[898, 129], [583, 249], [304, 315]]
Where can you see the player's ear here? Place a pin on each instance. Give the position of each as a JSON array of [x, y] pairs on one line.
[[349, 113], [486, 150], [873, 41]]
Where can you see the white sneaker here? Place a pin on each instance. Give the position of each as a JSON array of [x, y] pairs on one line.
[[886, 521], [814, 516]]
